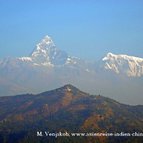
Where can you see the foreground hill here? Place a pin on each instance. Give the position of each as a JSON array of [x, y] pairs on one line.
[[68, 110]]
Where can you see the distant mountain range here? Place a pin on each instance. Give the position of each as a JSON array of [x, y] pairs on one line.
[[124, 64], [117, 76], [68, 110]]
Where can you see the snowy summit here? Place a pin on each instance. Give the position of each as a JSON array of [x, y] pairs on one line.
[[47, 54], [129, 65]]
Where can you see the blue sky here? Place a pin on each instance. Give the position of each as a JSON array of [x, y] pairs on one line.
[[85, 28]]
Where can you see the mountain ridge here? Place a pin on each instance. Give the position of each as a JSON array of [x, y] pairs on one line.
[[112, 62], [47, 54], [129, 65], [48, 67]]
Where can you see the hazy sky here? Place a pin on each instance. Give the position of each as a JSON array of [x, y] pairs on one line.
[[84, 28]]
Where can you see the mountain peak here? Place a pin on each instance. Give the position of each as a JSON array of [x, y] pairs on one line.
[[70, 88], [46, 53], [42, 47], [108, 56], [46, 42]]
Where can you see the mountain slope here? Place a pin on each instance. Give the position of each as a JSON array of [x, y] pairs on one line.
[[67, 109]]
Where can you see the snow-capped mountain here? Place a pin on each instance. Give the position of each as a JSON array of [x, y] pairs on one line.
[[124, 64], [47, 54], [48, 67]]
